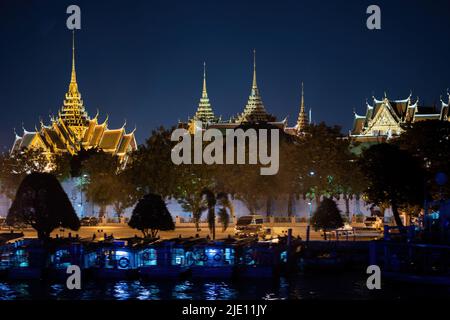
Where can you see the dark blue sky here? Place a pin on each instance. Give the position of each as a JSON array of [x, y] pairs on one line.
[[142, 60]]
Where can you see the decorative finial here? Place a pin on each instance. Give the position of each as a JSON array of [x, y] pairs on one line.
[[302, 104], [254, 85], [73, 77], [204, 92]]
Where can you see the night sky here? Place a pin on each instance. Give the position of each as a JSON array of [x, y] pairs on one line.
[[142, 60]]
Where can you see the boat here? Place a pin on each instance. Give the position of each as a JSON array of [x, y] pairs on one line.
[[64, 253], [110, 260], [212, 259], [27, 260], [258, 260], [163, 259]]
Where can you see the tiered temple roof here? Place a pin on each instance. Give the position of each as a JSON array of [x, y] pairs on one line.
[[384, 118], [73, 129]]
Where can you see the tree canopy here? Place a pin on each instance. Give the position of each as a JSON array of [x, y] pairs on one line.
[[327, 216], [393, 176], [16, 166], [42, 203], [151, 215]]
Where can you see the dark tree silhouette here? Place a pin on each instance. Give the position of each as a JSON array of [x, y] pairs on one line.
[[428, 141], [226, 208], [327, 216], [42, 203], [394, 176], [151, 215]]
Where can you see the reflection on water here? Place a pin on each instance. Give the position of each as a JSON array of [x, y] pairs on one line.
[[346, 286]]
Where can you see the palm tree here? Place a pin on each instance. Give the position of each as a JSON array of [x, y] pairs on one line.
[[196, 204], [225, 207]]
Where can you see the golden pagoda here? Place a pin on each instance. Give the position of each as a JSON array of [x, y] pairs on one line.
[[254, 111], [73, 129], [302, 120]]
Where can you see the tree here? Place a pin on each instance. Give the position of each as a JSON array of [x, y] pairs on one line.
[[151, 215], [42, 203], [15, 167], [225, 209], [429, 142], [195, 204], [124, 195], [102, 186], [326, 156], [394, 176], [327, 216], [194, 179], [151, 167]]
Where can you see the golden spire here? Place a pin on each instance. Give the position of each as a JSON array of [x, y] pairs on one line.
[[302, 105], [72, 112], [73, 86], [73, 77], [302, 120], [204, 92], [204, 111], [254, 85]]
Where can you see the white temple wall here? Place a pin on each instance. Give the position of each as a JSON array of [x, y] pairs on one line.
[[300, 207]]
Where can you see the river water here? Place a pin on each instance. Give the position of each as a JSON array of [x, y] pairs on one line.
[[343, 286]]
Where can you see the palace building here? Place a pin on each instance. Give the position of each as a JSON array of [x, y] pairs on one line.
[[254, 112], [73, 130], [383, 119]]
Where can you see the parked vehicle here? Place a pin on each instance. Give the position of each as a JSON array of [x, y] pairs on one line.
[[250, 226], [346, 230], [89, 221], [373, 222]]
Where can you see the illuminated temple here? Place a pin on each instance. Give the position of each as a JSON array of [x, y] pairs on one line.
[[73, 130], [254, 112], [384, 118]]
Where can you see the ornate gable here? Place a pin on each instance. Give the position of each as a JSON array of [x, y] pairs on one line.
[[383, 123]]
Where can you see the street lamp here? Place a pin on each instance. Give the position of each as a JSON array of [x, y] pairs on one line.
[[310, 212], [80, 205]]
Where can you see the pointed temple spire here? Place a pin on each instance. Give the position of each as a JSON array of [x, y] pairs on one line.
[[255, 111], [204, 92], [255, 91], [72, 112], [204, 112], [302, 120], [73, 78]]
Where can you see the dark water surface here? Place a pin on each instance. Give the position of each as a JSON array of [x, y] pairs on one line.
[[342, 286]]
